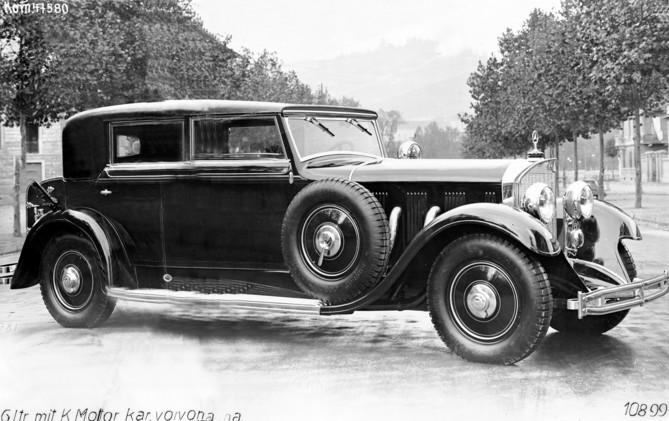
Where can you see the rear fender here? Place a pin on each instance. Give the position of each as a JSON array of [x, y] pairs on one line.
[[87, 223]]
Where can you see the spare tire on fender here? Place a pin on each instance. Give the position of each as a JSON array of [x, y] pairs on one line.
[[335, 240]]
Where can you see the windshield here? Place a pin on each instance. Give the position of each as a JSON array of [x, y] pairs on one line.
[[323, 135]]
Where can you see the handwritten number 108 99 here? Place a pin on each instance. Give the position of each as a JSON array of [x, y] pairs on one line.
[[636, 409]]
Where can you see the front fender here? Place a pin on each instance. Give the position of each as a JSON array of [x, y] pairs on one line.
[[79, 222], [490, 217], [603, 231], [505, 220]]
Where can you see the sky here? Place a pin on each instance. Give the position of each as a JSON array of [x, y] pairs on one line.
[[299, 30], [322, 40]]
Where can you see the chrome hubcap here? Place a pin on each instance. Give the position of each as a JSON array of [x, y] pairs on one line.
[[71, 279], [481, 301], [328, 240]]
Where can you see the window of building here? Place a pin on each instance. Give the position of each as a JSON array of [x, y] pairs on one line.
[[32, 138], [148, 142], [257, 138]]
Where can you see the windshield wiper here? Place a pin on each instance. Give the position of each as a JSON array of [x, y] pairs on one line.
[[355, 123], [320, 125]]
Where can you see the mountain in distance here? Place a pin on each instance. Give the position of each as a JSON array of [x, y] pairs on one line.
[[415, 79]]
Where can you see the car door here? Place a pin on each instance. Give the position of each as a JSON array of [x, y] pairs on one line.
[[128, 191], [223, 214]]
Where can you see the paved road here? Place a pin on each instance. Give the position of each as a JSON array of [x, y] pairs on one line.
[[367, 366]]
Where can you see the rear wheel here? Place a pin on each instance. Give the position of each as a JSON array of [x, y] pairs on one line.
[[489, 300], [72, 278], [566, 321]]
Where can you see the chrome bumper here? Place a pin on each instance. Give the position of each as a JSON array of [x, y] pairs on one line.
[[612, 299]]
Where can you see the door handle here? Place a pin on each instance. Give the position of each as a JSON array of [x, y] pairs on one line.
[[105, 192]]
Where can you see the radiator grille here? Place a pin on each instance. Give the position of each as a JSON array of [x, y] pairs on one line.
[[544, 172], [454, 199]]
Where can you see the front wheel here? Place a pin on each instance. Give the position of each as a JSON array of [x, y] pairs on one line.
[[489, 300], [72, 277]]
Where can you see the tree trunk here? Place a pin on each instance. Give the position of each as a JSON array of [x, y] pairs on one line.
[[602, 194], [557, 165], [637, 157], [17, 197], [19, 164], [575, 158]]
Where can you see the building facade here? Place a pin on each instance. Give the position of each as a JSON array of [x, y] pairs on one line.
[[654, 152], [44, 157]]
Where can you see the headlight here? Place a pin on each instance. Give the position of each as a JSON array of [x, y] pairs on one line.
[[409, 150], [578, 200], [539, 201]]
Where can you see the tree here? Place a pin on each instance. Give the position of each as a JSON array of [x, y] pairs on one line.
[[110, 52], [24, 76], [437, 142], [612, 152], [629, 45], [349, 102], [532, 85], [568, 75], [100, 53], [262, 78], [388, 122]]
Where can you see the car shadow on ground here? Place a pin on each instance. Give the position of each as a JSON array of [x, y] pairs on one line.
[[586, 349], [278, 328], [580, 351]]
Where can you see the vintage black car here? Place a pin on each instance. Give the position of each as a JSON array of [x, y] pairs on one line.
[[297, 208]]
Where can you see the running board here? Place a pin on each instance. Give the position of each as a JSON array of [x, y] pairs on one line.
[[223, 301]]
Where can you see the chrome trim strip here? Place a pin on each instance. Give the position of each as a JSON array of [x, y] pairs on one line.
[[335, 153], [376, 161], [431, 215], [640, 292], [188, 165], [393, 221], [286, 112], [221, 301]]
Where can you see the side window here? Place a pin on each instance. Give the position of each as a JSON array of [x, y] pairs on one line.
[[147, 142], [256, 138]]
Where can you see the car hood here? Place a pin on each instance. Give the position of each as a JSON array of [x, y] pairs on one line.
[[425, 170]]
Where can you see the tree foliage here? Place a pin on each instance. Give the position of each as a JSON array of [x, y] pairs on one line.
[[388, 122], [628, 46], [580, 71], [438, 142], [111, 52], [533, 85]]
